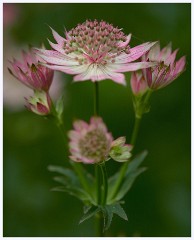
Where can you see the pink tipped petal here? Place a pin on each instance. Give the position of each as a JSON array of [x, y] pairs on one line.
[[135, 66], [60, 40], [165, 52], [138, 51], [80, 125], [180, 64], [124, 44], [170, 60]]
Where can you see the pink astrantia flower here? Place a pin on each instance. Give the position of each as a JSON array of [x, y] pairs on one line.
[[31, 73], [138, 83], [40, 103], [90, 143], [167, 69], [95, 51]]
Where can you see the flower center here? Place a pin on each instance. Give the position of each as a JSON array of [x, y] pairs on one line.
[[95, 42], [94, 145]]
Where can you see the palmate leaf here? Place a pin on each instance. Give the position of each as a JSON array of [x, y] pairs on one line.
[[107, 211], [132, 172]]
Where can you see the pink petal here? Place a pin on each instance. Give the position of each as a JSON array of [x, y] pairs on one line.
[[165, 52], [79, 125], [135, 53], [124, 44], [60, 40], [154, 52], [170, 60], [180, 64], [135, 66]]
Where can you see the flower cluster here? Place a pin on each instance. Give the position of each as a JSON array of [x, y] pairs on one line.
[[162, 74], [92, 143], [95, 51]]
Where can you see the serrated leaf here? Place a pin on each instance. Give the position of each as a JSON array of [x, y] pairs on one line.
[[108, 215], [109, 211], [87, 208], [128, 182], [93, 210], [118, 210]]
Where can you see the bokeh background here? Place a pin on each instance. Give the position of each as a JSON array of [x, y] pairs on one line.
[[159, 203]]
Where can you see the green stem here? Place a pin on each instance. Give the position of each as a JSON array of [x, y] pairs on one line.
[[135, 131], [105, 183], [123, 169], [96, 99], [80, 172], [98, 184], [99, 225]]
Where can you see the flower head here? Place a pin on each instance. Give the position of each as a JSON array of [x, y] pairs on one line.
[[94, 51], [120, 151], [138, 83], [31, 73], [89, 143], [39, 103], [167, 69]]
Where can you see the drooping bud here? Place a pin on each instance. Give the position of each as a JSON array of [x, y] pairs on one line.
[[39, 103]]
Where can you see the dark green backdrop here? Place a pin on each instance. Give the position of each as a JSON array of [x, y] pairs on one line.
[[159, 204]]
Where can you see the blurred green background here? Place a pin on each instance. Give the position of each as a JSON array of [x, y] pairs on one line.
[[159, 203]]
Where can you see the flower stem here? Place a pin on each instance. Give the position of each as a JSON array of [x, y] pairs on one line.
[[99, 225], [105, 183], [96, 99], [98, 184], [123, 169], [135, 130]]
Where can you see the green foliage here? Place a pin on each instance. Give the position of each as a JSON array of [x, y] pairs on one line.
[[107, 211], [80, 183], [132, 172], [72, 184]]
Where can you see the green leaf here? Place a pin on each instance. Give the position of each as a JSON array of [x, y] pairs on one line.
[[78, 193], [71, 184], [109, 211], [131, 173], [108, 215], [92, 211], [118, 210], [64, 171], [87, 208], [86, 179], [128, 182], [134, 164]]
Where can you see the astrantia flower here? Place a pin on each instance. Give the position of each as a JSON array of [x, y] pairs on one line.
[[31, 73], [95, 51], [138, 83], [89, 143], [120, 151], [39, 103], [167, 69]]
